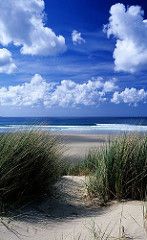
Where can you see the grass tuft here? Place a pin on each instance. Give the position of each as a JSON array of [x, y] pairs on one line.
[[30, 163], [119, 170]]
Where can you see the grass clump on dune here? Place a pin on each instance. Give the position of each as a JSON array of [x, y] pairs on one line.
[[119, 170], [30, 163]]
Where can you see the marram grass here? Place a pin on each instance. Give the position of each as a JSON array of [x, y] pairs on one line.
[[30, 163], [119, 170]]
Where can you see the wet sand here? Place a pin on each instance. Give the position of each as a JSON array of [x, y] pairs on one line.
[[77, 146]]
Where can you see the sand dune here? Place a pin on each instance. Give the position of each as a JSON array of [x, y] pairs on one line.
[[71, 217]]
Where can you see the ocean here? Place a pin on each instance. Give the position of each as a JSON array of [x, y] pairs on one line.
[[92, 125]]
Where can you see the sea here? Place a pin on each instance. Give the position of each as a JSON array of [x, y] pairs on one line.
[[79, 125]]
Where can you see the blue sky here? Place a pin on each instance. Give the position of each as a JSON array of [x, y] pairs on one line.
[[58, 59]]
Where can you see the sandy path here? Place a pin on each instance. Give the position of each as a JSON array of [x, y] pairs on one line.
[[70, 217]]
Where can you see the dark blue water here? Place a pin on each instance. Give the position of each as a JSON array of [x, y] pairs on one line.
[[75, 121], [75, 124]]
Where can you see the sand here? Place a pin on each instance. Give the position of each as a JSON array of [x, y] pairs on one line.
[[77, 146], [70, 215]]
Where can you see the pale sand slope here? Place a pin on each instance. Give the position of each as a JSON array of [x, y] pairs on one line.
[[71, 217], [77, 146]]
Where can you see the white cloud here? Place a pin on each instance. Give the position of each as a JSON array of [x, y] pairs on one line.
[[77, 38], [6, 62], [69, 93], [109, 86], [65, 93], [26, 94], [22, 23], [92, 92], [130, 96], [130, 30]]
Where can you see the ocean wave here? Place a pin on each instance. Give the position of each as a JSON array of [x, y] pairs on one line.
[[73, 128], [121, 127]]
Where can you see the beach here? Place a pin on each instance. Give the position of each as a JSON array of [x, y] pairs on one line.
[[77, 146], [71, 215], [73, 120]]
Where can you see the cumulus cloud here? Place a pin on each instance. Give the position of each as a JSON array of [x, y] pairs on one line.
[[69, 93], [26, 94], [77, 38], [130, 30], [65, 93], [7, 64], [22, 23], [130, 96]]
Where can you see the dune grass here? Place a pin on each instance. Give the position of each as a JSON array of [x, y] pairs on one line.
[[30, 163], [119, 170]]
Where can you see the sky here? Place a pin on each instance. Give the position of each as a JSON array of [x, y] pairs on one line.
[[73, 58]]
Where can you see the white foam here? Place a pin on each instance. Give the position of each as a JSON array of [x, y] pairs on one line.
[[121, 127], [83, 128]]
